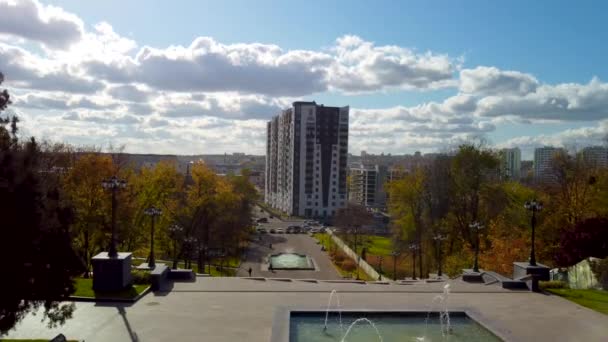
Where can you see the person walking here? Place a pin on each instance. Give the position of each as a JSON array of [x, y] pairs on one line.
[[250, 270]]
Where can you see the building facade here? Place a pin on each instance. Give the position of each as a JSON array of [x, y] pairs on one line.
[[511, 162], [306, 156], [596, 156], [542, 162], [367, 185]]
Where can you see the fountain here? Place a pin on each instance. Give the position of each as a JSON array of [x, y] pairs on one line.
[[363, 319], [444, 314], [389, 326], [291, 261], [333, 292]]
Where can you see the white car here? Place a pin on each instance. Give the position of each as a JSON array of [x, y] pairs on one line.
[[280, 231]]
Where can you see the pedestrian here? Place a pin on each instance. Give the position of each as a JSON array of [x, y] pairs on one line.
[[270, 268], [250, 270], [270, 246]]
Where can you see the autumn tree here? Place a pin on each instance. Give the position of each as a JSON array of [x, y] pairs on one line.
[[353, 221], [35, 249]]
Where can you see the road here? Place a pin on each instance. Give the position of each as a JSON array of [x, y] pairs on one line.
[[260, 249]]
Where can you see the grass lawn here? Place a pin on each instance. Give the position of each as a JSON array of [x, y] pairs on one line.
[[225, 272], [592, 299], [84, 288], [376, 245], [324, 240]]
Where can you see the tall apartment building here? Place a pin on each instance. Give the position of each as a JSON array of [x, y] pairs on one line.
[[542, 162], [367, 185], [596, 156], [511, 162], [306, 156]]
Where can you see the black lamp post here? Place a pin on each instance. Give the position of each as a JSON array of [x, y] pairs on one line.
[[438, 238], [175, 231], [152, 212], [534, 206], [414, 249], [476, 226], [395, 254], [113, 184]]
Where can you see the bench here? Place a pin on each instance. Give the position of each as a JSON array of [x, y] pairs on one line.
[[159, 276], [182, 274]]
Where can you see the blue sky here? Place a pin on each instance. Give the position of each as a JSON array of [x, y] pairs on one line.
[[531, 64]]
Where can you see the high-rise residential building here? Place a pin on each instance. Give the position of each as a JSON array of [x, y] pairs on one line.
[[542, 162], [511, 162], [306, 156], [596, 156], [367, 185]]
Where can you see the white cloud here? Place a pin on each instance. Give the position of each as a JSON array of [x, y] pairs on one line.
[[492, 81], [361, 66], [49, 25]]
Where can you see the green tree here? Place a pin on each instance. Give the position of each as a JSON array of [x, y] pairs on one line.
[[35, 248]]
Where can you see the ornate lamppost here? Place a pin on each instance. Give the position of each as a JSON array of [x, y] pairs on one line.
[[534, 206], [438, 238], [395, 254], [153, 212], [113, 184], [476, 227], [414, 248], [175, 230]]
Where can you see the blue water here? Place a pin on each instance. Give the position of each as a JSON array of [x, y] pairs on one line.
[[393, 327]]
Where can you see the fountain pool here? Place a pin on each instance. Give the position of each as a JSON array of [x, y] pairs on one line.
[[387, 327], [291, 261]]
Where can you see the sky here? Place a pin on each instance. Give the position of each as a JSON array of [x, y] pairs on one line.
[[201, 77]]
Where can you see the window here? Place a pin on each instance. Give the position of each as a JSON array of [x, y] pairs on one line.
[[316, 204], [333, 204], [333, 197]]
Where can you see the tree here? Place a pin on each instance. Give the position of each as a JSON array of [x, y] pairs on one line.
[[352, 222], [35, 249], [82, 185], [589, 238], [407, 208]]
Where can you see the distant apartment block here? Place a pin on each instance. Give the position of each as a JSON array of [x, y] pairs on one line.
[[510, 159], [367, 185], [542, 162], [596, 156], [306, 158]]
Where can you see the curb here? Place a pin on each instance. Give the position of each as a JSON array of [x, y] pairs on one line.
[[111, 300]]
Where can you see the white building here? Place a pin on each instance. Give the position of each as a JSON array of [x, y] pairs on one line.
[[596, 156], [367, 185], [511, 162], [306, 156], [542, 162]]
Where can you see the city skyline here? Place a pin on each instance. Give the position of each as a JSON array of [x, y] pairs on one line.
[[87, 74]]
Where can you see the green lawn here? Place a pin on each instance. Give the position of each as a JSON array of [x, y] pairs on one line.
[[324, 240], [592, 299], [376, 245], [84, 288]]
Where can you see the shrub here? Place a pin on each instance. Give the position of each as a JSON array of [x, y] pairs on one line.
[[553, 284], [339, 258], [349, 265], [140, 277]]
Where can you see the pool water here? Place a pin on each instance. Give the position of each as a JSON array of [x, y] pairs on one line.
[[392, 326], [296, 261]]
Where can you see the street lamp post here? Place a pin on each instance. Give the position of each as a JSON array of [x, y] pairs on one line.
[[534, 206], [476, 226], [395, 254], [438, 238], [113, 184], [153, 212], [414, 249], [175, 231]]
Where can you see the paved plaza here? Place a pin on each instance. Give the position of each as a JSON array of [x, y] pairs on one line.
[[236, 309]]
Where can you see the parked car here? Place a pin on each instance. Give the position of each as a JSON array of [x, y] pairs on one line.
[[272, 231], [262, 220], [313, 230], [280, 231], [262, 230]]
